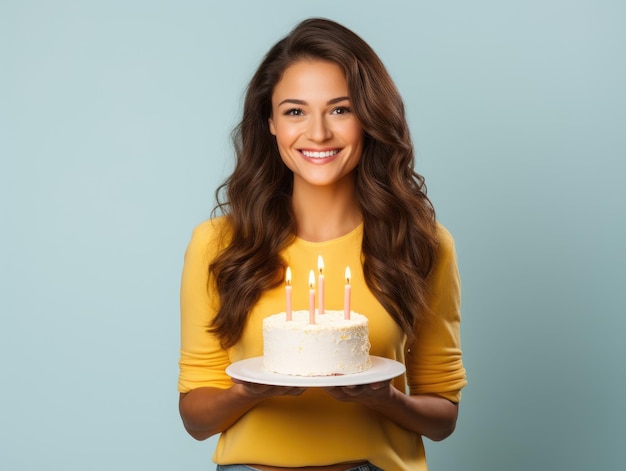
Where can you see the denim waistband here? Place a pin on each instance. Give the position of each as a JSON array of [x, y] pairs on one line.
[[243, 467]]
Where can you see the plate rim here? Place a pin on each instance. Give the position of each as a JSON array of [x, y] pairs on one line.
[[382, 369]]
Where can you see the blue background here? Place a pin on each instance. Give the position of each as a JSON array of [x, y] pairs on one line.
[[114, 133]]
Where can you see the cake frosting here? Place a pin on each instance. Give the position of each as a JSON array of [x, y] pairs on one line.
[[331, 346]]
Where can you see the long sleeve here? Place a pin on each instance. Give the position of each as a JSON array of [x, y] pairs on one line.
[[434, 363], [202, 360]]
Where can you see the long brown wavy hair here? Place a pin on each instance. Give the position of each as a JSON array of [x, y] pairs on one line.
[[399, 230]]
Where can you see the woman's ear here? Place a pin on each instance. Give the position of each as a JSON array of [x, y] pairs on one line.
[[272, 127]]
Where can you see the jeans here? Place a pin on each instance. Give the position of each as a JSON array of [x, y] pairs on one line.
[[243, 467]]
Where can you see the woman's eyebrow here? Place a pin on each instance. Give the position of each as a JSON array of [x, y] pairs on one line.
[[294, 101], [338, 100]]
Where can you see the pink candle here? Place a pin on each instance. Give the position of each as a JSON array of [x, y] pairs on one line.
[[320, 283], [311, 298], [346, 295], [288, 293]]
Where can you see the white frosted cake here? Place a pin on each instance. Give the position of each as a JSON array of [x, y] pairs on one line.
[[331, 346]]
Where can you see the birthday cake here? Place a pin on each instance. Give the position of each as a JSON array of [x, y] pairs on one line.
[[332, 345]]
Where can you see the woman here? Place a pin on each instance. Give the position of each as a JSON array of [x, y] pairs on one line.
[[324, 167]]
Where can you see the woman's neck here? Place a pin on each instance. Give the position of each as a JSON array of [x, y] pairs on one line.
[[325, 213]]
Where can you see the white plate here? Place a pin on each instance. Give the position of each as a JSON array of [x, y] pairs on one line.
[[253, 371]]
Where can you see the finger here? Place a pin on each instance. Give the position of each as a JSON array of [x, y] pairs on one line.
[[353, 390], [258, 389], [379, 385]]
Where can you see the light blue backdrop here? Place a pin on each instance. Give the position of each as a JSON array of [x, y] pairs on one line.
[[114, 123]]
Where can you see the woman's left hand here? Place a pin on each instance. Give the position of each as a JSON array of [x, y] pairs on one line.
[[364, 393], [426, 414]]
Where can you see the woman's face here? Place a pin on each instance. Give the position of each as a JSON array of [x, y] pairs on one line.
[[319, 137]]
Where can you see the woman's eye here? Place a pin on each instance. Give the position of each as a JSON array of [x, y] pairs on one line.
[[341, 110], [294, 112]]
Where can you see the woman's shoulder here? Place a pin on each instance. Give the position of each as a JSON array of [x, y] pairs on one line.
[[211, 228], [210, 235], [445, 240], [443, 234]]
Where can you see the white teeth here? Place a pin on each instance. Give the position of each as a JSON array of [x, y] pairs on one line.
[[320, 155]]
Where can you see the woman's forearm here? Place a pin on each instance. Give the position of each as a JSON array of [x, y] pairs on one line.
[[207, 411], [431, 416]]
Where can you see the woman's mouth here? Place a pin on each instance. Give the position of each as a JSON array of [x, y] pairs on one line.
[[319, 154]]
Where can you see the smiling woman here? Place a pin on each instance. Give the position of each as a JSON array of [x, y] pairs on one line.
[[318, 136], [324, 168]]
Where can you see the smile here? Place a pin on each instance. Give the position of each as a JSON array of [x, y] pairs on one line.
[[319, 155]]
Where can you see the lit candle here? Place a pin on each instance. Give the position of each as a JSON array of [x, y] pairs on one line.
[[288, 293], [311, 297], [320, 283], [346, 295]]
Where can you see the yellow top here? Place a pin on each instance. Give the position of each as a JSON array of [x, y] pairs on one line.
[[315, 429]]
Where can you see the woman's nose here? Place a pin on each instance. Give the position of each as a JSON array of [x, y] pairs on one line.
[[318, 129]]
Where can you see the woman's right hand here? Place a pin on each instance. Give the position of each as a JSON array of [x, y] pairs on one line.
[[265, 390], [208, 411]]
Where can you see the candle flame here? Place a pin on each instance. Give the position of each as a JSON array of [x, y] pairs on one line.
[[320, 264], [311, 279], [288, 276], [348, 275]]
